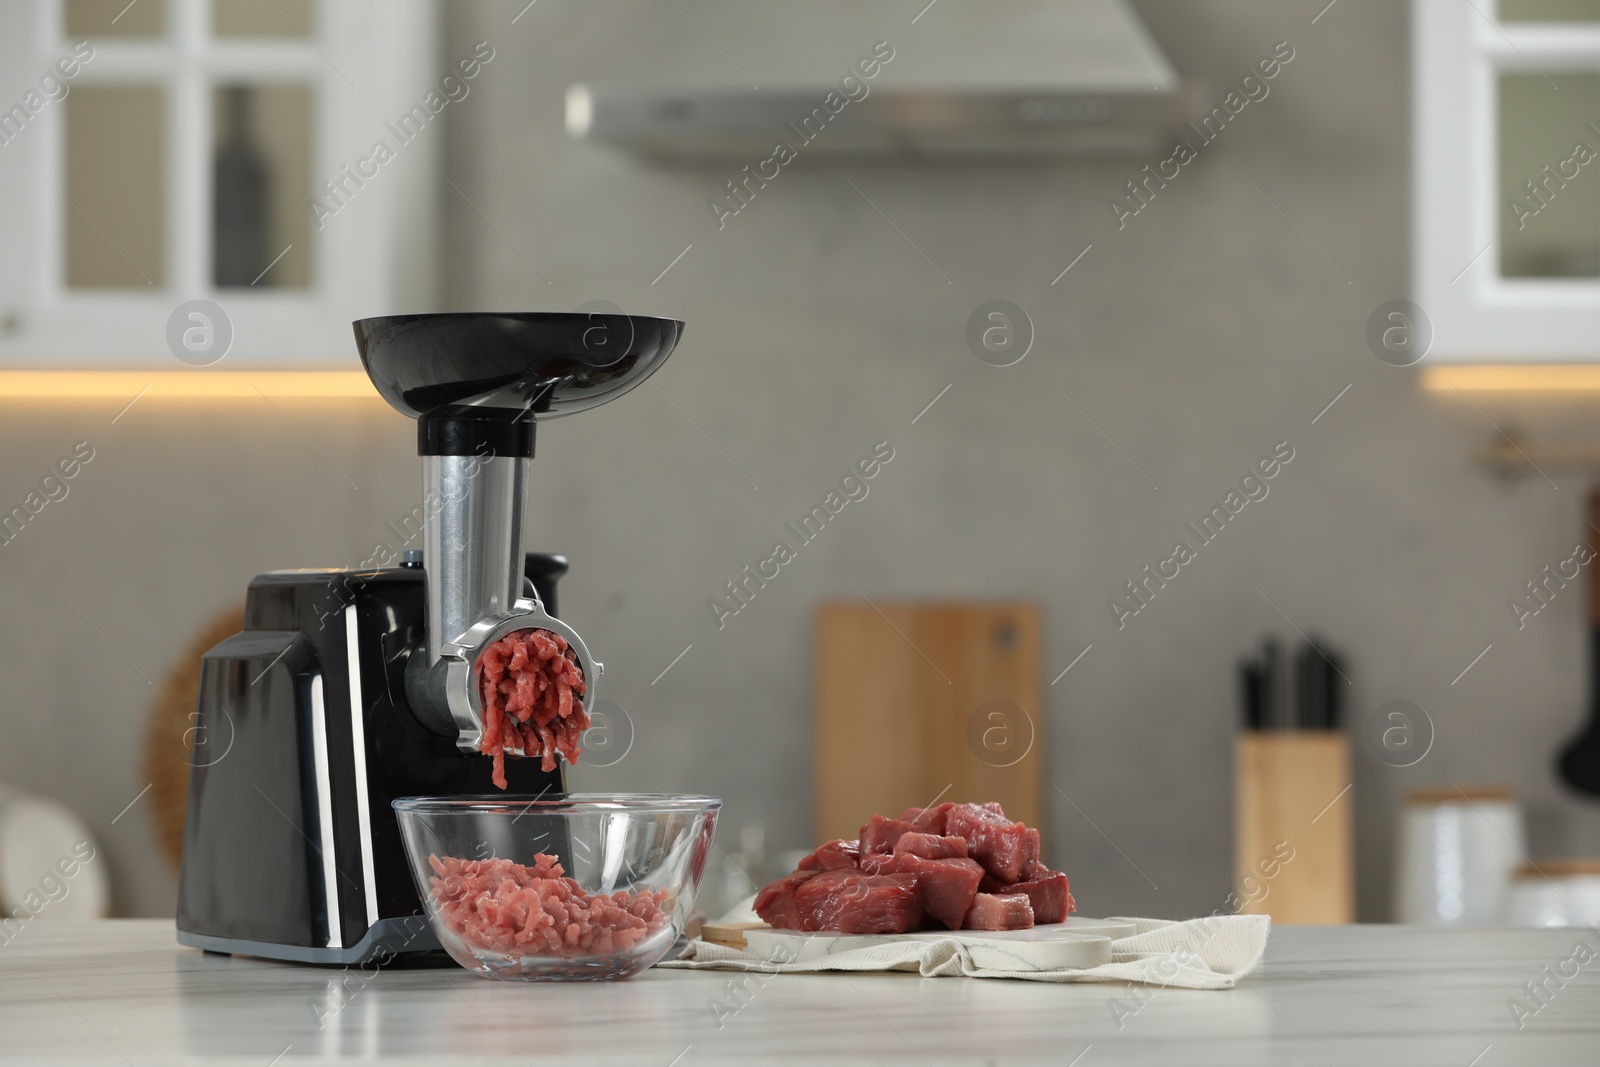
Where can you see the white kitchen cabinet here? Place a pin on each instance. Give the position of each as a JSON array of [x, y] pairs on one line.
[[158, 152]]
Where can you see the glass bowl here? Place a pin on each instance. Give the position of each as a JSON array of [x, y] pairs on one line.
[[629, 867]]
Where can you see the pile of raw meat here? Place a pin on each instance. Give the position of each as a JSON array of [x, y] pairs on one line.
[[532, 688], [501, 906], [954, 866]]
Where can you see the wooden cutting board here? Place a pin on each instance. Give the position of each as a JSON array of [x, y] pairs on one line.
[[917, 701]]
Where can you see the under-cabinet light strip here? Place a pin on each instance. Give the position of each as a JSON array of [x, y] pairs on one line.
[[195, 384], [1513, 378]]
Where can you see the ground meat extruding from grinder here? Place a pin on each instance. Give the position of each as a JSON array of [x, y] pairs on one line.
[[501, 906], [531, 687]]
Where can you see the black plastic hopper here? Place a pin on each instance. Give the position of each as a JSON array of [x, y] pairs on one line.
[[471, 377]]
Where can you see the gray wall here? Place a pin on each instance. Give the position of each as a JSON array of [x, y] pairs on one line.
[[1196, 338]]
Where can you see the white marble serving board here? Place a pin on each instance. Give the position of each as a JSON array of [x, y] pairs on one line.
[[1075, 944]]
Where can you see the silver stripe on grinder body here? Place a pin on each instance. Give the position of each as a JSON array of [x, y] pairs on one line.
[[324, 803], [358, 744]]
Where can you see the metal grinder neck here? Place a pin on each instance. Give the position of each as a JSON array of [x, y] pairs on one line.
[[473, 541], [474, 480]]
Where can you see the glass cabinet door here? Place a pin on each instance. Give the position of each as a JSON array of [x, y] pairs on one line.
[[1549, 164], [259, 145], [115, 170], [261, 184], [118, 20]]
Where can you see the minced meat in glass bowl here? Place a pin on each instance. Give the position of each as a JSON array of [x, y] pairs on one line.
[[583, 888]]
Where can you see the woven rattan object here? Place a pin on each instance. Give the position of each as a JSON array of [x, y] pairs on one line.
[[170, 736]]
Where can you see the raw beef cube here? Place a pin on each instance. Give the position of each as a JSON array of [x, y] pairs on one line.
[[931, 846], [887, 904], [989, 808], [948, 885], [879, 834], [1030, 864], [1030, 853], [775, 904], [1005, 848], [877, 863], [975, 813], [855, 903], [819, 906], [1047, 891], [928, 820], [993, 912], [832, 856]]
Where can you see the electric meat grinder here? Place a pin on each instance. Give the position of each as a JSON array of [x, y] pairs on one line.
[[349, 688]]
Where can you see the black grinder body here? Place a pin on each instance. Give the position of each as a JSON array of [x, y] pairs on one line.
[[301, 738]]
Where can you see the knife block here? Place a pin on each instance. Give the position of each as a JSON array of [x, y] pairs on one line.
[[1290, 793]]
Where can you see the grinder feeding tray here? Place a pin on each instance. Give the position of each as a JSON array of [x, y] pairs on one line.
[[350, 688]]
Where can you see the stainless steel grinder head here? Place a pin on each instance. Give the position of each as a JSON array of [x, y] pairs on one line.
[[477, 383]]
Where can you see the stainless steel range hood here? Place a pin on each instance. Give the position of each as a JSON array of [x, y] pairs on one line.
[[972, 80]]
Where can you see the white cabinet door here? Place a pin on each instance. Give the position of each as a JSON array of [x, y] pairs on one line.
[[1506, 178]]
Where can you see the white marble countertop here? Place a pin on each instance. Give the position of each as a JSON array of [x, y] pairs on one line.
[[124, 992]]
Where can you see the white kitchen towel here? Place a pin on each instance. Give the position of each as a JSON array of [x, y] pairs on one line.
[[1212, 952]]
